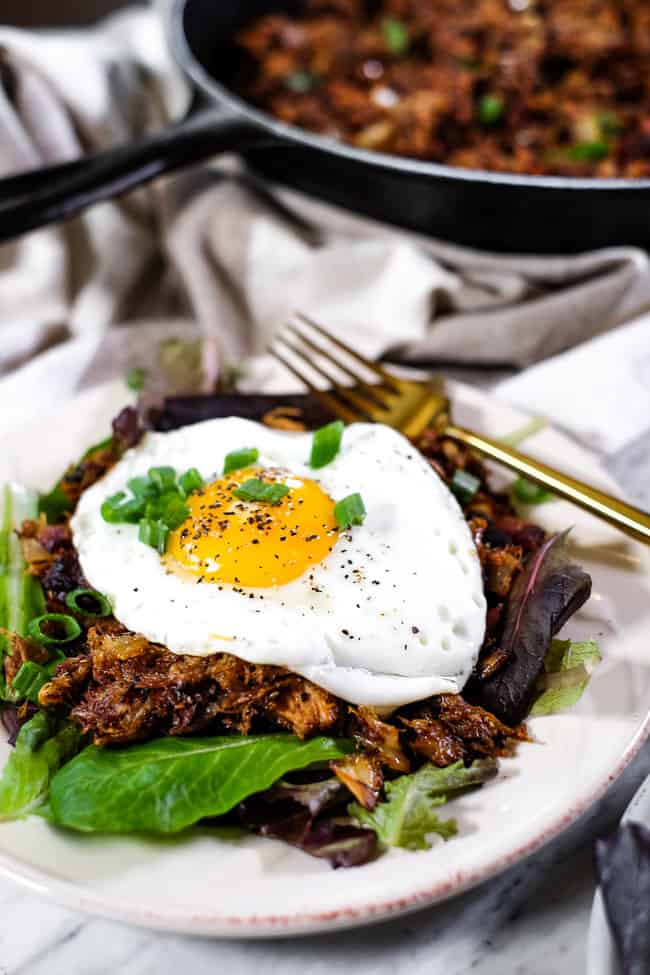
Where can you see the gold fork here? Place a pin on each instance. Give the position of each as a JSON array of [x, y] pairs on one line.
[[380, 397]]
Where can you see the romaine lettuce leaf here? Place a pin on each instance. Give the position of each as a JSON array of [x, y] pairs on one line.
[[168, 784], [408, 818], [21, 594], [566, 674], [42, 746]]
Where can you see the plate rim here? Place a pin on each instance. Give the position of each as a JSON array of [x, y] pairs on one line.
[[256, 926]]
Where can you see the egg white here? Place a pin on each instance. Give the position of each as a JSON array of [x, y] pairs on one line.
[[394, 614]]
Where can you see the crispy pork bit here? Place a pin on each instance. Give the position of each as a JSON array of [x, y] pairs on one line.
[[362, 775], [128, 689], [434, 741], [379, 738], [19, 651]]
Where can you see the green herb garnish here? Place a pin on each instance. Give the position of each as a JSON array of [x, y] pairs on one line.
[[300, 82], [31, 677], [592, 151], [491, 109], [350, 511], [52, 629], [464, 485], [136, 378], [157, 504], [88, 602], [326, 444], [262, 491], [190, 481], [527, 492], [238, 459], [396, 35], [154, 534]]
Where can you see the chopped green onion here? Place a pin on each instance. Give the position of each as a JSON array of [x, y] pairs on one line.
[[592, 151], [154, 533], [609, 123], [491, 109], [190, 481], [88, 602], [256, 490], [136, 378], [396, 35], [240, 458], [142, 487], [173, 511], [65, 629], [350, 511], [464, 485], [163, 477], [115, 510], [326, 444], [29, 680], [300, 82], [529, 493]]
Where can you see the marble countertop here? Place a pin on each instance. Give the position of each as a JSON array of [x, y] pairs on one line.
[[532, 920]]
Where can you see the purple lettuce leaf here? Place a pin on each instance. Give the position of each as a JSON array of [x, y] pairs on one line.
[[294, 814], [180, 411], [546, 594], [623, 865], [13, 717]]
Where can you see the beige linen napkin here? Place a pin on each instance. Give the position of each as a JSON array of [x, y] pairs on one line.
[[205, 256]]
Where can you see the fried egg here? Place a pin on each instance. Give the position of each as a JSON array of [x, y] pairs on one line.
[[384, 613]]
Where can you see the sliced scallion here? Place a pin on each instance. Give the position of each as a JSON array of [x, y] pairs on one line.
[[256, 490], [29, 680], [154, 533], [529, 493], [464, 485], [136, 378], [88, 602], [326, 444], [491, 109], [162, 477], [396, 35], [190, 481], [350, 511], [238, 459], [52, 629]]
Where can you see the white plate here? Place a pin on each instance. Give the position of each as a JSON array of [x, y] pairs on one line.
[[252, 887]]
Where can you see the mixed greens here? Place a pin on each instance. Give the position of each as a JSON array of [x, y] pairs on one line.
[[274, 783]]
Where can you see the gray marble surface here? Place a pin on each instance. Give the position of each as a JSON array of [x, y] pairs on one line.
[[532, 920]]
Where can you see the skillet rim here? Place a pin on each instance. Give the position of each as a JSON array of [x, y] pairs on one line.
[[402, 165]]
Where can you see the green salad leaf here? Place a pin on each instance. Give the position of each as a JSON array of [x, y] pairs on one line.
[[168, 784], [42, 746], [567, 670], [408, 818], [21, 594]]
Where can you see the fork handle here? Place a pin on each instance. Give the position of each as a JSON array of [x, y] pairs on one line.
[[625, 517]]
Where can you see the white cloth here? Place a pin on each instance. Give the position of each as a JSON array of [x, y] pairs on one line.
[[204, 257]]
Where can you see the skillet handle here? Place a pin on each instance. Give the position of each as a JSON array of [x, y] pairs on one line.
[[64, 191]]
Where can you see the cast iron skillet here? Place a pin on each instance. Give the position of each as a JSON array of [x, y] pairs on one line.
[[490, 210]]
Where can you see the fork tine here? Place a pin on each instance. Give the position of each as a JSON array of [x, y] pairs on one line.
[[326, 399], [371, 390], [362, 406], [389, 380]]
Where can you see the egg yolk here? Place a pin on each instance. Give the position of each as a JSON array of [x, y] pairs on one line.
[[248, 543]]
